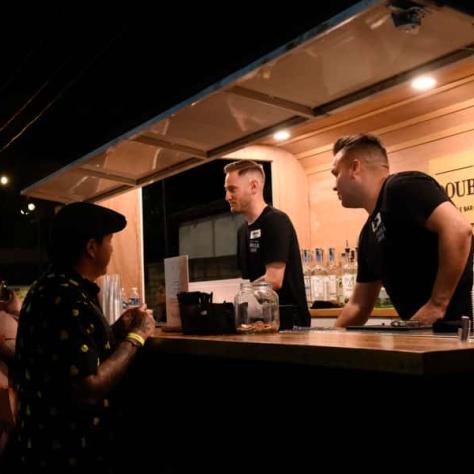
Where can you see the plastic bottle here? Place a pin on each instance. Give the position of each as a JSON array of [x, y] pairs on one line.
[[134, 299]]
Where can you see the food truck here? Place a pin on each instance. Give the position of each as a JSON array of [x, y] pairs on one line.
[[403, 71]]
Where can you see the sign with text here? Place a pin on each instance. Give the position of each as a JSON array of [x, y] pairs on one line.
[[176, 281], [456, 174]]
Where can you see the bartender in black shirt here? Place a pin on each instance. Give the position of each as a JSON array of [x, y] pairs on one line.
[[267, 247], [415, 241]]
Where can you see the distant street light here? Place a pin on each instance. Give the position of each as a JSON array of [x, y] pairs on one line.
[[4, 180]]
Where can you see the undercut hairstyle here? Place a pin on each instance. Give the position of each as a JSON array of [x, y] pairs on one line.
[[367, 147], [245, 166]]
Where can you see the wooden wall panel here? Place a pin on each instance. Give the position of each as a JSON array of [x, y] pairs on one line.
[[127, 258], [410, 148]]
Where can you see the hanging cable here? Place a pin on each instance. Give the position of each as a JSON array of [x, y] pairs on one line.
[[32, 98]]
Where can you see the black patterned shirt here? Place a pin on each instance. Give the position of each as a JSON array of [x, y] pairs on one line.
[[62, 337]]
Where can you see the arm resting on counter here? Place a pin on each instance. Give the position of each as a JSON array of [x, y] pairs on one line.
[[357, 310], [454, 244]]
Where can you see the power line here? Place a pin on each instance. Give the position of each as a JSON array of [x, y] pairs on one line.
[[32, 98]]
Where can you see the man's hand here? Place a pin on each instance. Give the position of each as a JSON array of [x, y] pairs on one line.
[[428, 313], [143, 322], [122, 325], [131, 320]]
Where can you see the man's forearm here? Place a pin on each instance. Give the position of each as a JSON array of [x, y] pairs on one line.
[[351, 314], [109, 373]]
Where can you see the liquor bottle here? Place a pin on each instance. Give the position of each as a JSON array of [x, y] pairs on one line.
[[348, 274], [332, 276], [319, 277], [305, 257]]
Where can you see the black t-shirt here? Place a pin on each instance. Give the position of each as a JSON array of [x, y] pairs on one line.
[[272, 238], [397, 249]]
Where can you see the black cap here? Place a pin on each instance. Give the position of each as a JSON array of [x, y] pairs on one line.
[[86, 220]]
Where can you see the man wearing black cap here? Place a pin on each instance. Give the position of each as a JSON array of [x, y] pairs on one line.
[[68, 358]]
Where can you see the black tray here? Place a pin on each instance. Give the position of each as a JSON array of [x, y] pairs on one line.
[[389, 328]]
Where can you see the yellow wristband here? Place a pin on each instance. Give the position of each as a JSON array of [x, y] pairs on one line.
[[136, 337], [133, 343]]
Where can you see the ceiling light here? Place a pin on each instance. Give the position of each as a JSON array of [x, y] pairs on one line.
[[281, 135], [423, 83], [4, 180], [31, 206]]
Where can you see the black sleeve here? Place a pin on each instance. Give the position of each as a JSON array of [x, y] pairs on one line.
[[365, 272], [242, 252], [276, 239], [414, 198]]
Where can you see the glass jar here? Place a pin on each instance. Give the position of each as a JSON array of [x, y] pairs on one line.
[[256, 308]]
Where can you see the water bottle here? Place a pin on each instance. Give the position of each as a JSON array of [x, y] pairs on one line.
[[134, 299]]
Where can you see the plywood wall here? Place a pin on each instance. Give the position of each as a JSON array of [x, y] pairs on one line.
[[127, 258], [438, 133]]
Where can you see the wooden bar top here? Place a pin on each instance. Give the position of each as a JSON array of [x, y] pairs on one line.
[[415, 353]]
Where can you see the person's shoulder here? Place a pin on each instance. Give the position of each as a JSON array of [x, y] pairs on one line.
[[406, 178], [54, 284], [271, 214]]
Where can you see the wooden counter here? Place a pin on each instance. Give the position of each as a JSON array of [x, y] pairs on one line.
[[395, 353], [221, 396]]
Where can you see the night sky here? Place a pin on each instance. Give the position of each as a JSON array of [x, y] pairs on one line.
[[91, 77]]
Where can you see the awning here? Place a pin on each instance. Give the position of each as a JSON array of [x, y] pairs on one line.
[[372, 47]]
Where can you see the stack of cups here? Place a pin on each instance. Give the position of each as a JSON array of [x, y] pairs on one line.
[[111, 297]]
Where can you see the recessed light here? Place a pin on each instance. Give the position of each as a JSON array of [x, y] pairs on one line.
[[423, 83], [281, 135]]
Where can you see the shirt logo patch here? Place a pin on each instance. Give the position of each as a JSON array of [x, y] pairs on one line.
[[254, 245], [378, 227], [255, 234]]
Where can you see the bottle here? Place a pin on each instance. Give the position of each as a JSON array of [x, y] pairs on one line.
[[124, 299], [134, 299], [340, 287], [332, 276], [348, 275], [306, 261], [318, 277], [383, 300], [256, 308]]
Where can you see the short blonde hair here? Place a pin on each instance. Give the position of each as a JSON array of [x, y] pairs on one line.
[[245, 166]]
